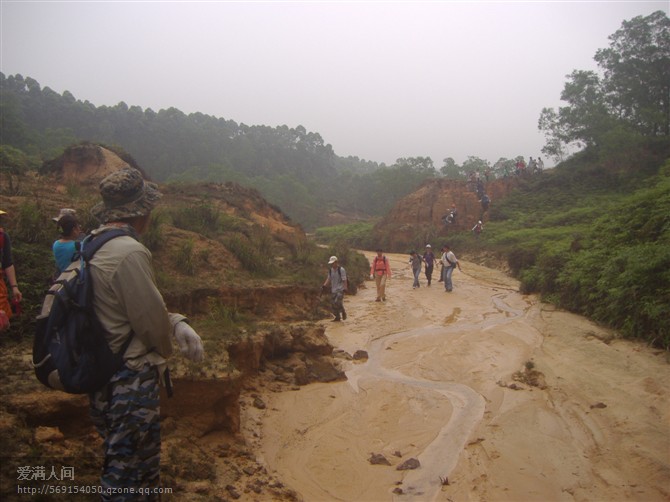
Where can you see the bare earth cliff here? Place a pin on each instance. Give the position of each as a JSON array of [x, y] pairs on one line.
[[418, 217]]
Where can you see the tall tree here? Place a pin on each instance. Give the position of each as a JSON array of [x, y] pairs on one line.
[[631, 93], [637, 73], [450, 169]]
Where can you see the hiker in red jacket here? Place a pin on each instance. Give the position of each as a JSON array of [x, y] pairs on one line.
[[380, 271]]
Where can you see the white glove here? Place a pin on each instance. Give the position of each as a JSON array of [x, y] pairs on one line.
[[189, 342]]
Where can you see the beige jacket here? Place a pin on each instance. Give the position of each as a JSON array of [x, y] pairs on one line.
[[126, 299]]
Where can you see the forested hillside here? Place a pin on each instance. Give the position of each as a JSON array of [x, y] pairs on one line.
[[293, 168]]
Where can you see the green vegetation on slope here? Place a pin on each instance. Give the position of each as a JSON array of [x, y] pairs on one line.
[[592, 240]]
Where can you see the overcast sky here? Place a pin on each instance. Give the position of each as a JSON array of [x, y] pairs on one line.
[[379, 80]]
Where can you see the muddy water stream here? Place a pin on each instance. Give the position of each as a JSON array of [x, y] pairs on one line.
[[439, 386]]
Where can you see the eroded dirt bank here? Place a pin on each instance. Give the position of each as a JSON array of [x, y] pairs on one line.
[[497, 396]]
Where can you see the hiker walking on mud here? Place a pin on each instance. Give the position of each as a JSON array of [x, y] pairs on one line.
[[337, 280], [449, 263], [429, 260], [477, 229], [415, 261], [126, 410], [380, 271]]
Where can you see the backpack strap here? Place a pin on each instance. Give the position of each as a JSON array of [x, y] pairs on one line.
[[91, 244]]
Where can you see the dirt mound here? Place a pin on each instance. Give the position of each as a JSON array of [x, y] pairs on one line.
[[86, 164]]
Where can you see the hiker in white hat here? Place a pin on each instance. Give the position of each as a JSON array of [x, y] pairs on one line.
[[429, 260], [337, 280]]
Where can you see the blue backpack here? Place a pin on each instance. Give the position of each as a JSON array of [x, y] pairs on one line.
[[70, 351]]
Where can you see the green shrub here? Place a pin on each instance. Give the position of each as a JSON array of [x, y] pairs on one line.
[[201, 218], [185, 258], [357, 235], [152, 238], [249, 255], [33, 224]]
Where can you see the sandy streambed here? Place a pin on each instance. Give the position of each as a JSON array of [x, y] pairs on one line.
[[498, 397]]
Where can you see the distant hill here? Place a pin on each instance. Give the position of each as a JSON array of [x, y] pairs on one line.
[[591, 235], [293, 168], [418, 218]]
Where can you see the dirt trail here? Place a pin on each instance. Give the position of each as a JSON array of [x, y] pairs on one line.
[[589, 422]]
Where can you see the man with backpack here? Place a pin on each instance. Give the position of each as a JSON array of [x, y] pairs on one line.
[[380, 270], [338, 282], [449, 262], [134, 317]]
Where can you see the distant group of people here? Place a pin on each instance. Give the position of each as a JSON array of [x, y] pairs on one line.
[[534, 166], [380, 271]]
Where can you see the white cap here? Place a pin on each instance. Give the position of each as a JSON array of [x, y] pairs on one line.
[[332, 260], [427, 245], [63, 212]]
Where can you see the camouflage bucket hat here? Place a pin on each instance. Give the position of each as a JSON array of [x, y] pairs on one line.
[[125, 194]]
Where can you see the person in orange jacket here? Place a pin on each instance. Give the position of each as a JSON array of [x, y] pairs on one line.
[[380, 271]]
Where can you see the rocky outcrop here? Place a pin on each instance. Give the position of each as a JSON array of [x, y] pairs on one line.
[[418, 218]]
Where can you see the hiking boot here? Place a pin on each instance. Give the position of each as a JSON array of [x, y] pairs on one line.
[[378, 299], [337, 319], [344, 315]]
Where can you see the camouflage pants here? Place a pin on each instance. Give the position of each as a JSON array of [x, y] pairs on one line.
[[127, 416], [336, 299]]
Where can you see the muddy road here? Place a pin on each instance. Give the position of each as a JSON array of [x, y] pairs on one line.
[[497, 396]]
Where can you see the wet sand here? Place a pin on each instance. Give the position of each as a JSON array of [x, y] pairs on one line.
[[439, 387]]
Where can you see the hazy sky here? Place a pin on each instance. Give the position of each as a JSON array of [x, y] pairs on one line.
[[378, 79]]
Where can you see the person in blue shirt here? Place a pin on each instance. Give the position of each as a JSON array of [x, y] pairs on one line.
[[66, 248]]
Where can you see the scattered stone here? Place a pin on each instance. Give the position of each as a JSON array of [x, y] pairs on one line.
[[201, 487], [233, 491], [444, 481], [249, 471], [397, 454], [409, 464], [378, 459], [398, 491], [598, 405], [259, 403], [48, 434], [359, 355]]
